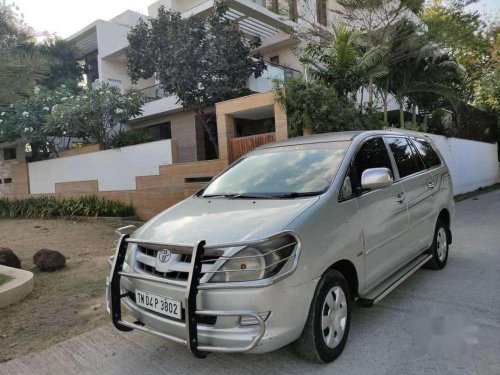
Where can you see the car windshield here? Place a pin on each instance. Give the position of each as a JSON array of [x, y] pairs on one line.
[[281, 172]]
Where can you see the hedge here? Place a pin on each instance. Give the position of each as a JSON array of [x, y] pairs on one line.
[[50, 207]]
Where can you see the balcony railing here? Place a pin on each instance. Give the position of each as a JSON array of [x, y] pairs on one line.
[[261, 84], [152, 93]]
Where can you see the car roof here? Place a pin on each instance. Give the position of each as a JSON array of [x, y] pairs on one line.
[[338, 137]]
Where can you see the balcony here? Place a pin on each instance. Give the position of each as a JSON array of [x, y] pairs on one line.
[[157, 102], [274, 71]]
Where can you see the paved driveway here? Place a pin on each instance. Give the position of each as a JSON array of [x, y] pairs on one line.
[[436, 322]]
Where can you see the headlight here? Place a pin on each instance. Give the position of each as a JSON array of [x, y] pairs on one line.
[[257, 262]]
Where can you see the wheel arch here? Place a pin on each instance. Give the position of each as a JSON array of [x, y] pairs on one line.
[[348, 270], [444, 215]]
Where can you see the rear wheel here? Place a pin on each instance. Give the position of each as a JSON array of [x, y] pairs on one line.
[[439, 248], [327, 326]]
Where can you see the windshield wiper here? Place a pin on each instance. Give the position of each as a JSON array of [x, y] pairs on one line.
[[238, 196], [294, 194]]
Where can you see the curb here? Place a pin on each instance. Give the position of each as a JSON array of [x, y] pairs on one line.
[[16, 289]]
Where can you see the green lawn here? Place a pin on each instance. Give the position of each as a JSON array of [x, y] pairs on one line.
[[3, 279]]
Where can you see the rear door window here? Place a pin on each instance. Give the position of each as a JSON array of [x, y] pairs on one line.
[[427, 152], [405, 156]]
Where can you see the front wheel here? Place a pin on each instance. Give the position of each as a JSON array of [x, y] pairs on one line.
[[327, 326], [439, 248]]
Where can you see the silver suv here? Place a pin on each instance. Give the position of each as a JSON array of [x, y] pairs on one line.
[[276, 249]]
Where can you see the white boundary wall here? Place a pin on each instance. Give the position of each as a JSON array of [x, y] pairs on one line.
[[472, 164], [114, 169]]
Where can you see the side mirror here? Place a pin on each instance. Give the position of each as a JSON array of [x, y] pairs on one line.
[[376, 178]]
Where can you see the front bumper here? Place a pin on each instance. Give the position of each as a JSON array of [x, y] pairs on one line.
[[288, 306]]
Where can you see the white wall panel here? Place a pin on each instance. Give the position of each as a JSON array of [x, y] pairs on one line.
[[114, 169], [472, 164]]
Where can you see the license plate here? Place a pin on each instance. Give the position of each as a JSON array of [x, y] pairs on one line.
[[159, 304]]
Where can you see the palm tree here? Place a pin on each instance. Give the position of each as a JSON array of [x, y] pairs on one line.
[[20, 69], [19, 73], [343, 63], [417, 67]]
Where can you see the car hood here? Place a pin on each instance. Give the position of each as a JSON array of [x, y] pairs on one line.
[[221, 220]]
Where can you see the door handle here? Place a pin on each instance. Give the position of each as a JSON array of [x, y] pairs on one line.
[[400, 198], [431, 184]]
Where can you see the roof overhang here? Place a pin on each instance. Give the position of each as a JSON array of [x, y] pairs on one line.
[[85, 40], [253, 19]]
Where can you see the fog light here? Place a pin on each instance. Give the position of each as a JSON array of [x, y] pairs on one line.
[[247, 320]]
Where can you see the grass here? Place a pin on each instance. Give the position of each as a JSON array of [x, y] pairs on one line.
[[3, 279]]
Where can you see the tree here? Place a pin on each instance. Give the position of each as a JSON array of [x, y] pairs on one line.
[[19, 70], [94, 115], [463, 35], [200, 61], [315, 107], [27, 120], [342, 63], [64, 67]]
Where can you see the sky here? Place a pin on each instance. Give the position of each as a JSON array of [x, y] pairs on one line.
[[66, 17]]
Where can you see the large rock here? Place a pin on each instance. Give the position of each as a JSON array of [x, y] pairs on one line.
[[49, 260], [8, 258]]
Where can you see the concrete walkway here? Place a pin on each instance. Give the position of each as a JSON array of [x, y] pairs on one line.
[[436, 322]]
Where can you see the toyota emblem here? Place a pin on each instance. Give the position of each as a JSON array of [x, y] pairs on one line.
[[164, 255]]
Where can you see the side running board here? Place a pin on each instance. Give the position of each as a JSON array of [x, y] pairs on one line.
[[394, 280]]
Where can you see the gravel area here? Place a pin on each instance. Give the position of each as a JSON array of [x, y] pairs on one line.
[[63, 303]]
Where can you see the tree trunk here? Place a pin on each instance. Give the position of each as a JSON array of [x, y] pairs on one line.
[[414, 116], [370, 95], [385, 98], [401, 115], [213, 139], [361, 102]]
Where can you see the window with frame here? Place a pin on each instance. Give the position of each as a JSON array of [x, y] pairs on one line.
[[407, 160], [9, 154], [372, 154], [427, 152], [160, 131]]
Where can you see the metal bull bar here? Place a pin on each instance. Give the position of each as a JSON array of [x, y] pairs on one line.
[[192, 313]]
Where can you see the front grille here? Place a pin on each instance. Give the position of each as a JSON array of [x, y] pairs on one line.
[[175, 275], [168, 275]]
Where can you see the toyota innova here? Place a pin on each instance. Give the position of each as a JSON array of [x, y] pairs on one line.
[[276, 248]]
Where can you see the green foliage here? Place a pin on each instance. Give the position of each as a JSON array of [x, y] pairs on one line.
[[28, 120], [344, 63], [463, 34], [3, 279], [64, 68], [201, 61], [50, 207], [130, 138], [19, 69], [488, 91], [316, 107], [94, 115]]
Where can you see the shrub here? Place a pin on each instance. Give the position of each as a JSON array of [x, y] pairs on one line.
[[130, 138], [50, 207], [317, 107]]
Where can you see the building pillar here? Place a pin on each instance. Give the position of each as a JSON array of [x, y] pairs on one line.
[[280, 123], [225, 132]]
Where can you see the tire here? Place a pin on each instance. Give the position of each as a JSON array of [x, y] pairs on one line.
[[440, 247], [312, 344]]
